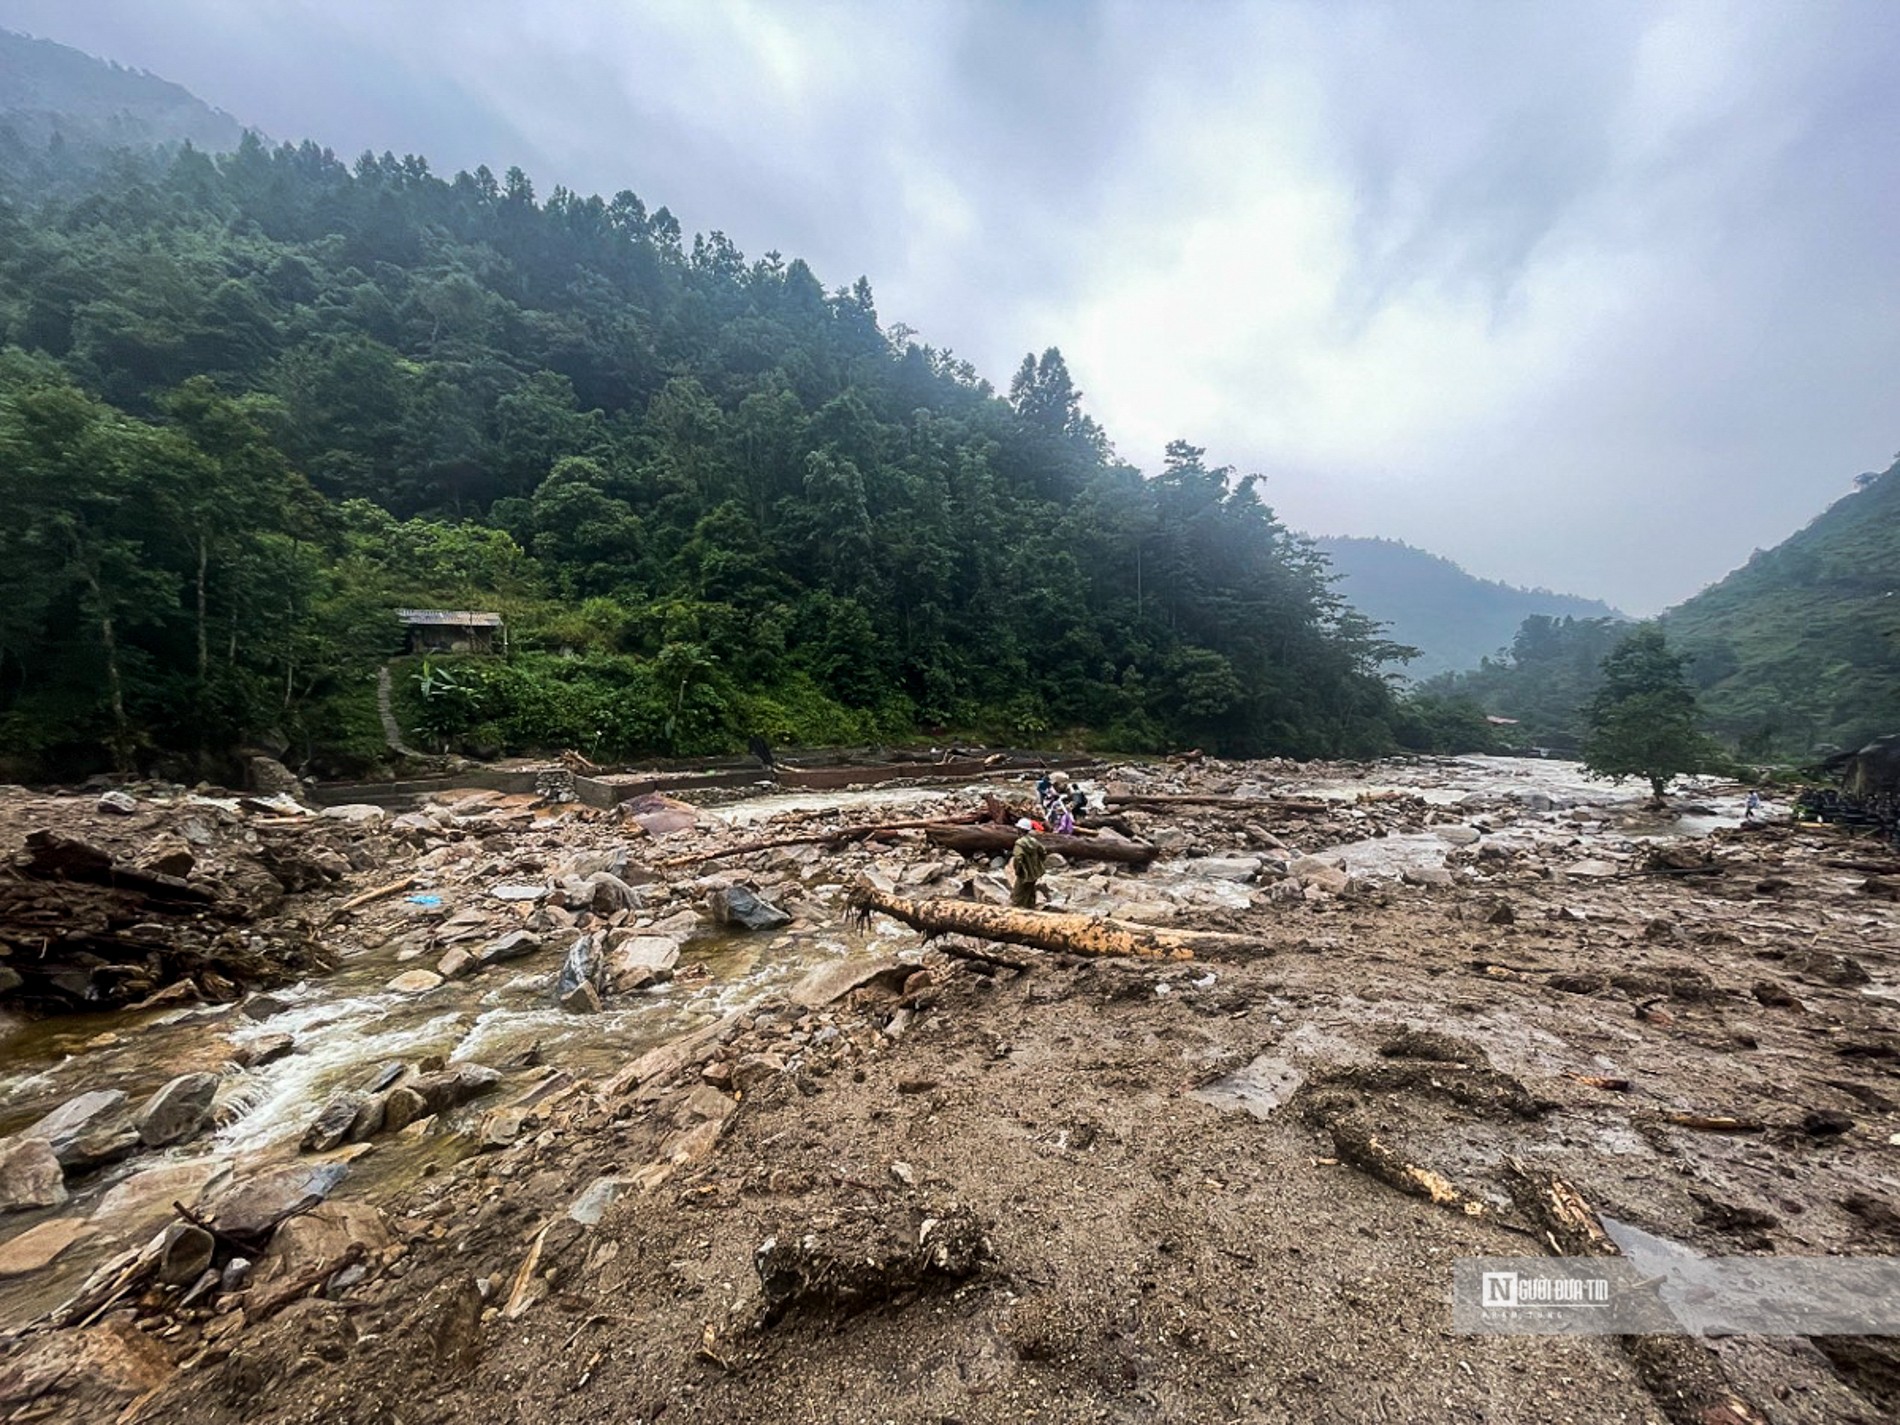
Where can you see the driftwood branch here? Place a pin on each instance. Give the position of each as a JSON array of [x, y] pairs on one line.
[[299, 1286], [832, 836], [1264, 806], [1051, 930], [1713, 1122], [985, 962], [370, 897], [1355, 1142]]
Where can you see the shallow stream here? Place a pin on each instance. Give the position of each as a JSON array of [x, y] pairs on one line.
[[349, 1021]]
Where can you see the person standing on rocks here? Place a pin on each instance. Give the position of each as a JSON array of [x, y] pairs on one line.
[[1027, 863]]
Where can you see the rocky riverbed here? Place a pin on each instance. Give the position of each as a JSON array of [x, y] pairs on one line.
[[552, 1113]]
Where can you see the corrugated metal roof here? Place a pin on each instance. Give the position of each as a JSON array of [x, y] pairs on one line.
[[464, 618]]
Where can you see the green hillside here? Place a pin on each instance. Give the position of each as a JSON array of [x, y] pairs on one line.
[[51, 92], [250, 404], [1801, 646], [1454, 619]]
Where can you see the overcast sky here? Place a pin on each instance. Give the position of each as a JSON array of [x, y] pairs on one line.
[[1598, 296]]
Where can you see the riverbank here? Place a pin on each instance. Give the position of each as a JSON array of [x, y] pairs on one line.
[[837, 1175]]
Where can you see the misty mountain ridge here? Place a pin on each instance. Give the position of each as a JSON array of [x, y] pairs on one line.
[[50, 91], [1454, 618], [1800, 646]]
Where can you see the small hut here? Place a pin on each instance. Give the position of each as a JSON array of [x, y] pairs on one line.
[[453, 631]]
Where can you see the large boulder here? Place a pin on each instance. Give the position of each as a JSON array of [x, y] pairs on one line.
[[37, 1247], [135, 1207], [657, 814], [332, 1125], [738, 907], [1226, 868], [178, 1111], [86, 1375], [253, 1207], [269, 777], [583, 998], [77, 1120], [833, 982], [1313, 872], [579, 972], [30, 1175], [311, 1240], [511, 946], [451, 1087], [642, 960]]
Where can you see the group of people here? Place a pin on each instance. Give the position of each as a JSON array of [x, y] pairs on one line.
[[1062, 805]]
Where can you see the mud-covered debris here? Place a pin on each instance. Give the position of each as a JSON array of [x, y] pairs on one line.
[[846, 1267], [1826, 1123], [1827, 966], [1474, 1086], [1432, 1044]]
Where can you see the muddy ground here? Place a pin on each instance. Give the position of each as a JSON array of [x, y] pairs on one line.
[[1121, 1190]]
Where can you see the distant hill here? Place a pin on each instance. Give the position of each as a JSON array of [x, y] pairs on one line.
[[1453, 618], [1801, 645], [51, 93]]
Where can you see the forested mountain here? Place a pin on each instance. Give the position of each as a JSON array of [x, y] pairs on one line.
[[1542, 681], [1801, 646], [251, 404], [50, 94], [1797, 650], [1452, 618]]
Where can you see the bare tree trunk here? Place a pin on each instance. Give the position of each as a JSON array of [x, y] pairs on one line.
[[1050, 930], [988, 840], [115, 687], [204, 636]]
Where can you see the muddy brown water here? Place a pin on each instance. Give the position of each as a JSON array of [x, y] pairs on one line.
[[348, 1022]]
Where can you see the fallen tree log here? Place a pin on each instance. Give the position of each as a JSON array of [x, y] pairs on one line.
[[1140, 801], [1355, 1142], [832, 836], [1684, 1378], [993, 840], [1051, 930], [1264, 806]]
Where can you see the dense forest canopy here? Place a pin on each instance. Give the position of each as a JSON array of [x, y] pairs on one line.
[[1542, 682], [251, 404]]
